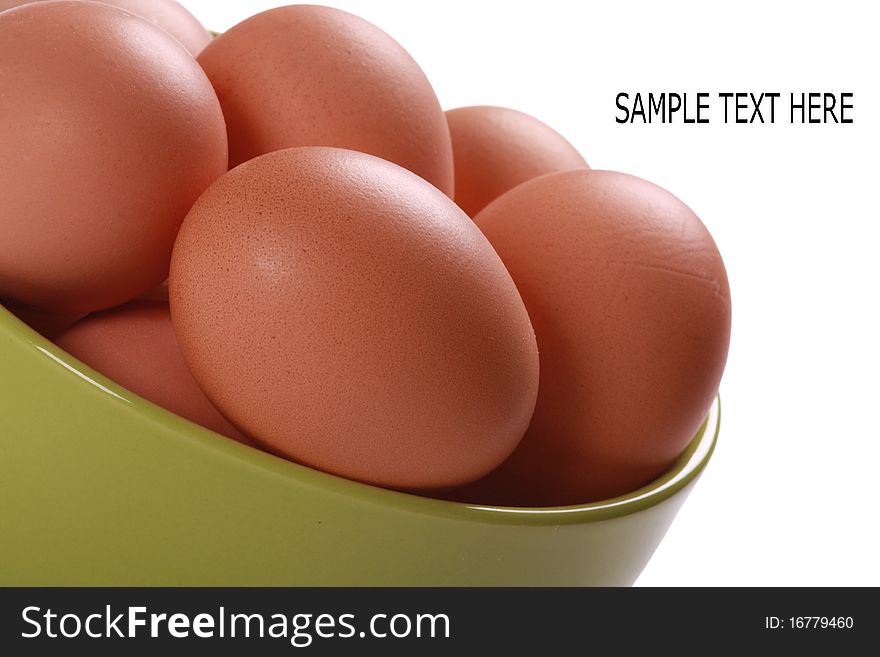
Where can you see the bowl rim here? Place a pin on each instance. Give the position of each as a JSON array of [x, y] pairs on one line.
[[683, 471]]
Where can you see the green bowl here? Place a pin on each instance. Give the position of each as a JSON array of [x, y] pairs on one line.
[[100, 487]]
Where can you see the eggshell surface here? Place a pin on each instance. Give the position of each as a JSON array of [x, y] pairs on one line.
[[346, 314], [109, 131], [497, 148], [630, 304], [171, 16], [305, 75], [135, 346]]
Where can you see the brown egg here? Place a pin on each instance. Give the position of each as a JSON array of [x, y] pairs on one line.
[[109, 131], [347, 315], [158, 293], [496, 148], [631, 308], [167, 14], [314, 76], [135, 346]]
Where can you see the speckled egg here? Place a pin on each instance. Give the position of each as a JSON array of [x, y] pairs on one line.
[[305, 75], [496, 148], [135, 346], [171, 16], [346, 314], [630, 303], [109, 131]]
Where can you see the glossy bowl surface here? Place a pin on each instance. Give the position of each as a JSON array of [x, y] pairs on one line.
[[100, 487]]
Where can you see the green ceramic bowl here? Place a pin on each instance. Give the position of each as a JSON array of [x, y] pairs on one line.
[[100, 487]]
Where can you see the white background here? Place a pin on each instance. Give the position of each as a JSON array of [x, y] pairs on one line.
[[791, 495]]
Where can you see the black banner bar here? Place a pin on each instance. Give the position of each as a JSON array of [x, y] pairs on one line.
[[334, 621]]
